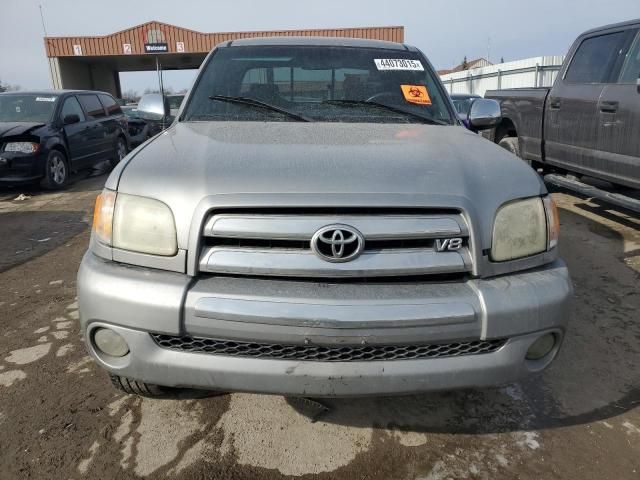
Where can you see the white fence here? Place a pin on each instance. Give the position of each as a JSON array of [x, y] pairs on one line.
[[530, 72]]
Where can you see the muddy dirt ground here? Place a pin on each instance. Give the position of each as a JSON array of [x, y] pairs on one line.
[[60, 418]]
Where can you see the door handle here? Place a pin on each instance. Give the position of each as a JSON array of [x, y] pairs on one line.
[[609, 107], [554, 104]]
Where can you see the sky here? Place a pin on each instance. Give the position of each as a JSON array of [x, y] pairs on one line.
[[446, 31]]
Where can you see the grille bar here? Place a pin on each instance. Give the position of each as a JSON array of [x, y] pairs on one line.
[[318, 353], [292, 263], [302, 227]]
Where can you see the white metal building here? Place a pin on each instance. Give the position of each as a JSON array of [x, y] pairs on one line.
[[530, 72]]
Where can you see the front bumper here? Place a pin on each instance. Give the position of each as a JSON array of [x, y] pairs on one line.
[[135, 301], [16, 168]]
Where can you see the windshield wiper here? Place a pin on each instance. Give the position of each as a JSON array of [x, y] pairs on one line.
[[356, 103], [258, 104]]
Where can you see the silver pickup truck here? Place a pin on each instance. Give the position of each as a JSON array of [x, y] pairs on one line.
[[317, 222]]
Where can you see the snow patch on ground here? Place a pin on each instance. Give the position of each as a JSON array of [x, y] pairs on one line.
[[61, 335], [78, 367], [154, 448], [631, 428], [528, 440], [264, 431], [23, 356], [83, 466], [9, 377], [64, 350]]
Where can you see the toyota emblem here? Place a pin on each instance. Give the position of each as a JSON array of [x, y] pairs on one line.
[[337, 243]]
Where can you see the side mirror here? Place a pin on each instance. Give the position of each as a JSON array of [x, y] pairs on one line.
[[464, 118], [153, 106], [71, 119], [484, 114]]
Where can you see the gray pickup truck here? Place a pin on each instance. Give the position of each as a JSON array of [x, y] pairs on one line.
[[589, 122], [317, 222]]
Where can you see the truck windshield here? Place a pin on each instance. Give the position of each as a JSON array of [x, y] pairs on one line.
[[27, 107], [318, 83]]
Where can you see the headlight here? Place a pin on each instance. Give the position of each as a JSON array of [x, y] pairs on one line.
[[135, 223], [22, 147], [519, 230]]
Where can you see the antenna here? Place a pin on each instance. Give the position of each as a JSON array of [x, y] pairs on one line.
[[489, 49], [44, 27], [46, 41]]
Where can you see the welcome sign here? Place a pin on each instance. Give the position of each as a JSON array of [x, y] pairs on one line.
[[156, 48]]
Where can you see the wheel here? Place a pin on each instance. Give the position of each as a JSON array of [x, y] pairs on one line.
[[136, 387], [56, 171], [121, 151], [511, 144]]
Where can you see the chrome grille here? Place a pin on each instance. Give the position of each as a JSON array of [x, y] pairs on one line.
[[318, 353], [271, 244]]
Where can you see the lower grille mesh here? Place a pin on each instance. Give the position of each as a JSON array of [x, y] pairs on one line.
[[316, 353]]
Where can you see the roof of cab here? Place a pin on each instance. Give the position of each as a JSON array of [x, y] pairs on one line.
[[50, 92], [318, 41], [628, 23]]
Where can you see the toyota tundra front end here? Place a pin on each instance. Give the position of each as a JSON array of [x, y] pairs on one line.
[[317, 222]]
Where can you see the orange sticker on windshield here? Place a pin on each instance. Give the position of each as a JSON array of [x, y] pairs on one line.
[[416, 94]]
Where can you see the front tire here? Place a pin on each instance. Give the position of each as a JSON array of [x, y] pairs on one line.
[[136, 387], [121, 151], [511, 144], [56, 171]]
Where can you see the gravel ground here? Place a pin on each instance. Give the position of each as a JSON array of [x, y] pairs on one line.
[[60, 418]]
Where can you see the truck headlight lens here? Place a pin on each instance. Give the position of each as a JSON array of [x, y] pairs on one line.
[[519, 230], [134, 223], [144, 225], [22, 147]]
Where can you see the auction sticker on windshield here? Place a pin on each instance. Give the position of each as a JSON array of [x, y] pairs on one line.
[[398, 64], [45, 99], [416, 94]]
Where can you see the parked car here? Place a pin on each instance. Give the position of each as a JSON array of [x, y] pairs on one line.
[[175, 101], [317, 222], [588, 122], [46, 135], [462, 103], [138, 128]]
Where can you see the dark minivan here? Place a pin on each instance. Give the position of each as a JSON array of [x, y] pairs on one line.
[[46, 135]]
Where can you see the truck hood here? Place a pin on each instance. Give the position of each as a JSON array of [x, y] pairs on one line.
[[11, 129], [272, 164]]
